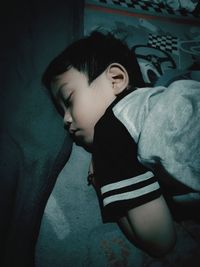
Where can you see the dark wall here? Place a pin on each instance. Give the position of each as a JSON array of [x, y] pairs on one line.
[[34, 146]]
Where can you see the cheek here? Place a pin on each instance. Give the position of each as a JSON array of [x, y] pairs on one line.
[[88, 118], [87, 111]]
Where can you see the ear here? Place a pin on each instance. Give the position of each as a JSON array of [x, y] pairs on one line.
[[118, 75]]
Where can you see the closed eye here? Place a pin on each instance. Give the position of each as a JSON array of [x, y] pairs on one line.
[[60, 110], [68, 101]]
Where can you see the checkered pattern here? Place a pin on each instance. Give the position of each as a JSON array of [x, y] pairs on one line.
[[142, 5], [166, 43]]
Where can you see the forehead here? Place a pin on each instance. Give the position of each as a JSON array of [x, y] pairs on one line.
[[69, 79]]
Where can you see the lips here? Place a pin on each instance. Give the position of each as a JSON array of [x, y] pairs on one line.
[[72, 131]]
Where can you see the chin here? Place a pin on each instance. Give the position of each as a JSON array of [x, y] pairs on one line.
[[86, 145]]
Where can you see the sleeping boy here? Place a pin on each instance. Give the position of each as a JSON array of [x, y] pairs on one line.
[[144, 141]]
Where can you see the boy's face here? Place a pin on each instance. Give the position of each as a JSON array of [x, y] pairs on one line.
[[82, 104]]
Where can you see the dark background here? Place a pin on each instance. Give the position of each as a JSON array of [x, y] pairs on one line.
[[34, 148]]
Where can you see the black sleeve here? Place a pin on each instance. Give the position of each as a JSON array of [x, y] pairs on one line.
[[123, 182]]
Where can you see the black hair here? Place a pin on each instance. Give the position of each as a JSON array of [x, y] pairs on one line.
[[92, 55]]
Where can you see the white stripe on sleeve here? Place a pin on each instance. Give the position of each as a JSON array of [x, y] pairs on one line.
[[131, 195], [127, 182]]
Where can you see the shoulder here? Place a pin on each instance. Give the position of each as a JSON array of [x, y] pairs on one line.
[[111, 132], [114, 149], [134, 108]]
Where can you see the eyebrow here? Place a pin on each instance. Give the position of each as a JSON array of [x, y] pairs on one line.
[[60, 87]]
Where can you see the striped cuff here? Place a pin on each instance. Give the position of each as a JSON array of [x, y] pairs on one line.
[[130, 189]]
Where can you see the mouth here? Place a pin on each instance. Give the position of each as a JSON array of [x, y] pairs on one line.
[[75, 133], [76, 137]]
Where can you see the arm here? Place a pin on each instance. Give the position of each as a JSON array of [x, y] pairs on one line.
[[128, 189], [150, 227]]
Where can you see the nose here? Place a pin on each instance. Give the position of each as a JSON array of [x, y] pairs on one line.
[[67, 119]]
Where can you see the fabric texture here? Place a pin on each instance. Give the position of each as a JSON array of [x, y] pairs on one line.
[[122, 181], [146, 139], [164, 122]]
